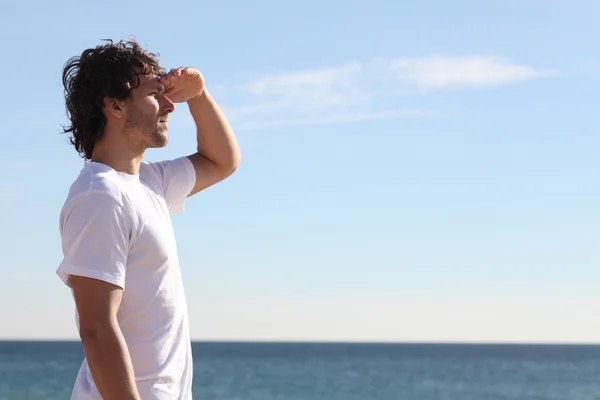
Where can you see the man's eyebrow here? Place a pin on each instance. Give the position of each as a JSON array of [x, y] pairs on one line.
[[157, 86], [155, 83]]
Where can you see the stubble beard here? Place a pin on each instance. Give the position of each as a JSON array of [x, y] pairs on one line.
[[145, 132], [156, 138]]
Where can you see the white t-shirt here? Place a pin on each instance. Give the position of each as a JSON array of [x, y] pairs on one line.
[[117, 227]]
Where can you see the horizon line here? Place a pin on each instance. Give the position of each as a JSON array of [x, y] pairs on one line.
[[348, 342]]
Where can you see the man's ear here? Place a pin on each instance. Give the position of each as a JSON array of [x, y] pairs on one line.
[[114, 108]]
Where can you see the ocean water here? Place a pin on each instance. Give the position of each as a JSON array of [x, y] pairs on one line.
[[310, 371]]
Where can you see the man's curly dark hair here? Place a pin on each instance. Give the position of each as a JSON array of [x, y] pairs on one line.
[[110, 70]]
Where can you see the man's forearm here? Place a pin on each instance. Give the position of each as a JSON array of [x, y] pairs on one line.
[[216, 141], [110, 364]]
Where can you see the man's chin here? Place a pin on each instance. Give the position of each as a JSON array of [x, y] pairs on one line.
[[161, 139]]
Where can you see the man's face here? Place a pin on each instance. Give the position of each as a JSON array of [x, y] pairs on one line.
[[147, 112]]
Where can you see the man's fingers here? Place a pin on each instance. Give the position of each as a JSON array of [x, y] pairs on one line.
[[177, 72], [165, 79], [173, 73]]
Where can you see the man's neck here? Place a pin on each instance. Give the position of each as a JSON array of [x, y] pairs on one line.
[[120, 161]]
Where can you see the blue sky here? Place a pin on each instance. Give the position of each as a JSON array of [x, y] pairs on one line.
[[411, 172]]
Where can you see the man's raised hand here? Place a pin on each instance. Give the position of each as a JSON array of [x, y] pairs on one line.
[[183, 84]]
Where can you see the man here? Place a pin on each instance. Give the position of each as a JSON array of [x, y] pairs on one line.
[[120, 256]]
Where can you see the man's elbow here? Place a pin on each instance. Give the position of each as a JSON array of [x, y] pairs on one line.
[[235, 164], [230, 166], [97, 331]]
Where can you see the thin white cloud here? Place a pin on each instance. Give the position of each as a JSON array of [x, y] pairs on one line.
[[361, 91], [464, 72], [339, 118], [325, 84], [301, 94]]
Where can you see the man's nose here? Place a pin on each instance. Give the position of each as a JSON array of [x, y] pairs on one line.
[[167, 105]]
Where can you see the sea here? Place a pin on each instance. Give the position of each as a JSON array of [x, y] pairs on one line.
[[336, 371]]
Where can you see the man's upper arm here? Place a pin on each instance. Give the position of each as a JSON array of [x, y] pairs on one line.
[[97, 304], [207, 173], [96, 232], [185, 176]]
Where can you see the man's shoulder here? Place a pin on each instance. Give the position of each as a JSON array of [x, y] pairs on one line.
[[96, 183]]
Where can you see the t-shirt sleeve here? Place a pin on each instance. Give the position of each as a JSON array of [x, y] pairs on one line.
[[177, 178], [96, 232]]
